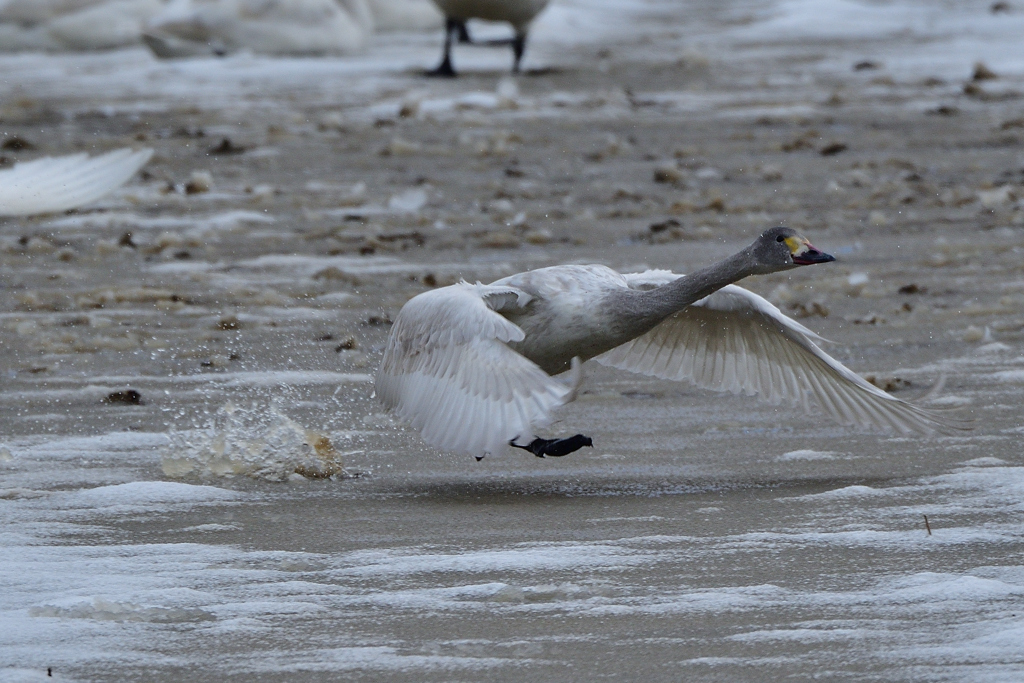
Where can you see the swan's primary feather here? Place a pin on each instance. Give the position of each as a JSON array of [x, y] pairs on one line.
[[53, 184], [736, 341], [448, 372]]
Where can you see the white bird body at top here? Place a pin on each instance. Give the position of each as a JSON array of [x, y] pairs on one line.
[[471, 366], [191, 28], [519, 13]]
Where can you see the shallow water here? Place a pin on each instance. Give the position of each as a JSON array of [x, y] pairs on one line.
[[258, 517]]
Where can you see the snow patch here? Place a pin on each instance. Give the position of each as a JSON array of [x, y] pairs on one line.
[[107, 610], [806, 454]]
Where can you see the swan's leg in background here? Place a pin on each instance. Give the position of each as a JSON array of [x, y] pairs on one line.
[[518, 43], [452, 27], [518, 48]]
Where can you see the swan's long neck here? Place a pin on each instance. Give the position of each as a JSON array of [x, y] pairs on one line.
[[638, 312]]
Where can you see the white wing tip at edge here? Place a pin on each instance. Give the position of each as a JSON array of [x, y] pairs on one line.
[[54, 184]]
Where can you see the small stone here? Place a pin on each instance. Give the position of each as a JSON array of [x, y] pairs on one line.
[[944, 110], [833, 148], [227, 147], [662, 226], [887, 384], [973, 90], [499, 240], [199, 182], [125, 397], [229, 323], [16, 144], [716, 204], [335, 273], [668, 174], [400, 146], [808, 309], [538, 236], [770, 173], [974, 334], [983, 73], [409, 109]]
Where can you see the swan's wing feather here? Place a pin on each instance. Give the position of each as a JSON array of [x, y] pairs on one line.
[[53, 184], [448, 372], [734, 340], [649, 279]]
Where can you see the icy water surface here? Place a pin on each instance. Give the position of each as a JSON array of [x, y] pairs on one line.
[[250, 513]]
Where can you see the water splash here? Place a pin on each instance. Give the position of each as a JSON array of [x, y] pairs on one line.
[[259, 441]]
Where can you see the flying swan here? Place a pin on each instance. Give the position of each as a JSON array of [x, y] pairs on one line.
[[52, 184], [471, 366]]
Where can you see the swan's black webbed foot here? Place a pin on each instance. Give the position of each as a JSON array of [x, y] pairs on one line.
[[444, 70], [556, 448]]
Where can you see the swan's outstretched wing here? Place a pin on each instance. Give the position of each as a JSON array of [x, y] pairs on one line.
[[448, 371], [734, 340], [52, 184]]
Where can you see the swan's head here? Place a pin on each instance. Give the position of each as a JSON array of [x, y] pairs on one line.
[[784, 248]]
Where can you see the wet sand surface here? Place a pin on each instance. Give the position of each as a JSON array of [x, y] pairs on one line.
[[255, 515]]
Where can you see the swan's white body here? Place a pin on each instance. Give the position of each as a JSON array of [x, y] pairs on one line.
[[405, 15], [53, 184], [185, 28], [468, 365], [58, 25], [519, 13], [274, 27]]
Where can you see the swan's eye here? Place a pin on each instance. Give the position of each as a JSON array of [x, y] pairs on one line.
[[780, 238]]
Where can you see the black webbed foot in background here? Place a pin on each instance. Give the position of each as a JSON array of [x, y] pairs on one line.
[[556, 448], [444, 70]]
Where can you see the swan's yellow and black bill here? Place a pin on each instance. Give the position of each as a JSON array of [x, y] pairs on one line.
[[806, 254]]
